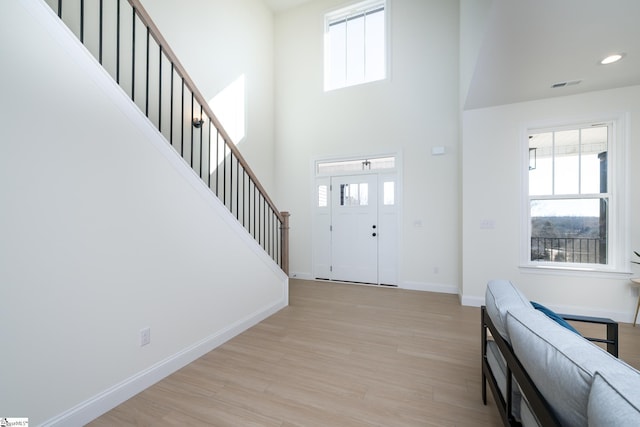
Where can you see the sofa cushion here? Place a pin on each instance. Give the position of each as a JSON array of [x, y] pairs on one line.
[[501, 296], [615, 400], [554, 316], [560, 363]]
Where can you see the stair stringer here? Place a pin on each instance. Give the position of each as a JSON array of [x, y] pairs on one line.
[[84, 397]]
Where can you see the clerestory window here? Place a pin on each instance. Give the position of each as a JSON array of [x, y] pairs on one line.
[[355, 48]]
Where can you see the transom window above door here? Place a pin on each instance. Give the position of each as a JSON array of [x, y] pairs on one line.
[[339, 167]]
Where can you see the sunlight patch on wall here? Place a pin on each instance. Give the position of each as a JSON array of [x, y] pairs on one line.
[[229, 107]]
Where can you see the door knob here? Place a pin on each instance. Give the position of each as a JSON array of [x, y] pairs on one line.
[[373, 226], [374, 234]]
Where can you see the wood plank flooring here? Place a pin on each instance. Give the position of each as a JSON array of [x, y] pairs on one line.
[[339, 355]]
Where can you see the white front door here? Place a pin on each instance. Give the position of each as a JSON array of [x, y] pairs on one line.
[[356, 222], [354, 228]]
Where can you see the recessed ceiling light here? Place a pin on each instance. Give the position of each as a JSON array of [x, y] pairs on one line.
[[612, 58]]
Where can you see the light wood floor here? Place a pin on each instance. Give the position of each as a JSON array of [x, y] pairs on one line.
[[339, 355]]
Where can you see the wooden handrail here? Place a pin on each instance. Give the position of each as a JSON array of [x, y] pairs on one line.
[[157, 36], [252, 206]]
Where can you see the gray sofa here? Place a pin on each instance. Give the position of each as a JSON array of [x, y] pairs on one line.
[[542, 374]]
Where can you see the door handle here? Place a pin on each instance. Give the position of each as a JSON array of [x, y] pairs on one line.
[[373, 226], [374, 234]]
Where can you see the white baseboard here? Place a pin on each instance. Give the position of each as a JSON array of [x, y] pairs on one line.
[[302, 276], [472, 301], [103, 402], [415, 286], [430, 287]]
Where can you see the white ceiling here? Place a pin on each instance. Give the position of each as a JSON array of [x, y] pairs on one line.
[[280, 5], [531, 44]]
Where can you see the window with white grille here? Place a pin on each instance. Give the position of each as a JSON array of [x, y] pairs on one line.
[[355, 45], [575, 178]]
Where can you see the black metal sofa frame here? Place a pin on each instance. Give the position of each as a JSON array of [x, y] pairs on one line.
[[514, 370]]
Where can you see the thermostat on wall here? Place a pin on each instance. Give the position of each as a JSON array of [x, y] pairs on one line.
[[437, 151]]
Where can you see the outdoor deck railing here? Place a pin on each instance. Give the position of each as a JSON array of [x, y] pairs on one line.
[[567, 249]]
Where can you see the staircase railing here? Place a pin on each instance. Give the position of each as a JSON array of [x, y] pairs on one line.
[[123, 38]]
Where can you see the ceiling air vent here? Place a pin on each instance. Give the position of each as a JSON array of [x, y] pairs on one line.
[[563, 84]]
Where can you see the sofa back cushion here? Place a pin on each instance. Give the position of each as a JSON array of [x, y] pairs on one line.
[[500, 297], [560, 363], [615, 400], [554, 316]]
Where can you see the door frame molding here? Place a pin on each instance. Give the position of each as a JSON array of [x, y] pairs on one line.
[[397, 171]]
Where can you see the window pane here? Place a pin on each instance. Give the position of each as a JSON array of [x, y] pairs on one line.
[[568, 162], [389, 189], [593, 173], [355, 50], [344, 194], [322, 196], [364, 194], [541, 164], [590, 178], [569, 230], [337, 54], [383, 163], [337, 167], [375, 68], [566, 165], [354, 194]]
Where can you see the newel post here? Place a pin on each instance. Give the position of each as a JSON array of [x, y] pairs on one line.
[[284, 235]]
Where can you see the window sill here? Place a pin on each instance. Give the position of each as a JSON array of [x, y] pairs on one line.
[[575, 271], [328, 89]]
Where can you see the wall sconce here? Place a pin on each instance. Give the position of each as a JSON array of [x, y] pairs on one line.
[[197, 122], [532, 158]]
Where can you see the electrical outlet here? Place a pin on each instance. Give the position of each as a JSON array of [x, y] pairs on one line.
[[487, 224], [145, 336]]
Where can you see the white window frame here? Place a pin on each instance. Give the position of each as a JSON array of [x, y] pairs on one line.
[[618, 240], [344, 13]]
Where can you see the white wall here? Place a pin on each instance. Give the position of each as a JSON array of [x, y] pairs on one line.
[[217, 41], [474, 15], [492, 190], [416, 109], [104, 231]]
